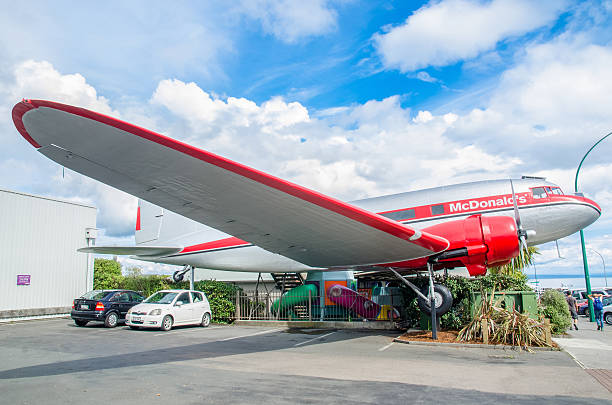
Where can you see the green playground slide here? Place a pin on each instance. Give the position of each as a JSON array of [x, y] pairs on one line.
[[295, 296]]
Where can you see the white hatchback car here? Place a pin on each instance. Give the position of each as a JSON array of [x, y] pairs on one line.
[[168, 308]]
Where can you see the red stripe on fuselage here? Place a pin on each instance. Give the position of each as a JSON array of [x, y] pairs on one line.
[[216, 244], [235, 242], [480, 205]]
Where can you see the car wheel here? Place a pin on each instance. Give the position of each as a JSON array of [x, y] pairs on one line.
[[80, 322], [444, 299], [608, 318], [111, 320], [166, 324], [134, 327], [205, 319]]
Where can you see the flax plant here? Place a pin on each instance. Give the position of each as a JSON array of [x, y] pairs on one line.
[[508, 327]]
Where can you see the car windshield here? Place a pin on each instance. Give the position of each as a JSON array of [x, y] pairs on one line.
[[96, 294], [161, 297]]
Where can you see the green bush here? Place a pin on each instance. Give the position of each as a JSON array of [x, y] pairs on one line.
[[146, 285], [460, 287], [554, 307], [107, 274], [222, 298]]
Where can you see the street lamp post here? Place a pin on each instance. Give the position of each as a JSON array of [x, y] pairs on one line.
[[587, 278], [604, 264]]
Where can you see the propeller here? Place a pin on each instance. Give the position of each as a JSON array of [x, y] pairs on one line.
[[521, 233]]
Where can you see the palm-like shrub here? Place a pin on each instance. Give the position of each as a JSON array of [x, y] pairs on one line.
[[503, 326]]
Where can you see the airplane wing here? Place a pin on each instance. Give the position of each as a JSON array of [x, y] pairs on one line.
[[272, 213], [152, 251]]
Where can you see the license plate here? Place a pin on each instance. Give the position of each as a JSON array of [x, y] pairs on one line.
[[84, 306], [136, 319]]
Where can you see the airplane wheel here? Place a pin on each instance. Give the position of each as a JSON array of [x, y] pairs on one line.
[[443, 297], [177, 276]]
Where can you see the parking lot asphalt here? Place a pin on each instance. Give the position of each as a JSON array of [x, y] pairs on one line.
[[53, 361]]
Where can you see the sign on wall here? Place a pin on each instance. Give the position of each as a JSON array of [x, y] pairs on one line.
[[23, 279]]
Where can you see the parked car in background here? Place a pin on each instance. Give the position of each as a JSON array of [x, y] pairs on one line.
[[581, 295], [583, 307], [607, 313], [108, 306], [168, 308]]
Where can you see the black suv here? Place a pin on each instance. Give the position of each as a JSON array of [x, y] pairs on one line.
[[108, 306]]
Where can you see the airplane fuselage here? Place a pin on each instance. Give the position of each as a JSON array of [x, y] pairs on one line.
[[544, 209]]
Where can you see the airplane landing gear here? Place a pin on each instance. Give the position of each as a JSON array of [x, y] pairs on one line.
[[442, 297], [178, 275], [438, 296]]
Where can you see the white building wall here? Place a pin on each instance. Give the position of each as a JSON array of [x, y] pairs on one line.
[[39, 236]]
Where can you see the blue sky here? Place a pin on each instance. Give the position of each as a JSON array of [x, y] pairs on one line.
[[351, 98]]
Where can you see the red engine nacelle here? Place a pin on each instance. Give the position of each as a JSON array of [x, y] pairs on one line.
[[489, 241], [476, 242]]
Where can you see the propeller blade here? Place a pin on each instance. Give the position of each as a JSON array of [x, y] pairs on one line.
[[523, 248], [517, 217]]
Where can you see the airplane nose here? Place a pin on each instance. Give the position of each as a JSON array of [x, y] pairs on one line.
[[589, 211]]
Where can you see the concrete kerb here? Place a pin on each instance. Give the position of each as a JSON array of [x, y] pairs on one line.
[[320, 325], [474, 345], [33, 318]]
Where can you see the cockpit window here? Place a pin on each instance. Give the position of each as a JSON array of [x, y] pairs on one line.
[[538, 192], [557, 190]]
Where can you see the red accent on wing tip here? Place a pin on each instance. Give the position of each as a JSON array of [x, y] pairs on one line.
[[427, 241], [18, 112], [138, 219]]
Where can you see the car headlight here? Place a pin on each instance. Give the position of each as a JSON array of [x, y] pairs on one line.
[[155, 312], [129, 311]]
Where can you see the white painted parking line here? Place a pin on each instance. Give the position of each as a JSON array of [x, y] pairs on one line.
[[310, 340], [382, 349], [252, 334]]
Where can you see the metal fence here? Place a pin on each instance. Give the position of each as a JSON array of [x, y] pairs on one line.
[[274, 305]]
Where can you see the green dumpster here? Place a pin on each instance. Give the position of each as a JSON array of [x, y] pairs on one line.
[[525, 302]]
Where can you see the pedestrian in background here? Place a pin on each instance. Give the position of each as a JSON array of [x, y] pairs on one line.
[[573, 308], [598, 309]]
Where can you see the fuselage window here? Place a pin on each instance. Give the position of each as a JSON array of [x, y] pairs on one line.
[[400, 215], [437, 209], [538, 192]]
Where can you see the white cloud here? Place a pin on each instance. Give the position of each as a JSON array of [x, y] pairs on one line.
[[292, 20], [442, 33], [40, 80], [549, 108], [350, 152]]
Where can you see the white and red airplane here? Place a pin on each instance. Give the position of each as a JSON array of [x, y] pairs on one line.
[[219, 214]]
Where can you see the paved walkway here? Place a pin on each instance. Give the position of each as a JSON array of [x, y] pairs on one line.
[[591, 349]]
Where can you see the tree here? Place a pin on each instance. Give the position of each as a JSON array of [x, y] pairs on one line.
[[107, 274], [517, 264]]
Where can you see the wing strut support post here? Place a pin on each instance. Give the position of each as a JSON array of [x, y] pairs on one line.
[[432, 299], [432, 295]]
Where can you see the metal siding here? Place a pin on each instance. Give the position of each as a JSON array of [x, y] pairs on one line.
[[39, 236]]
